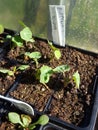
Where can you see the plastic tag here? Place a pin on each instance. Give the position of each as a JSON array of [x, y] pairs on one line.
[[57, 17]]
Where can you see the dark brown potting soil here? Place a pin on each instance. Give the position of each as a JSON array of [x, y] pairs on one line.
[[5, 80], [68, 104]]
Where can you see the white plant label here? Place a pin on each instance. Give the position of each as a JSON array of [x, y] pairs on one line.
[[57, 17]]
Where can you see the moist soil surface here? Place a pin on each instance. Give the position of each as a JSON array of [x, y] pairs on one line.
[[69, 104], [5, 80]]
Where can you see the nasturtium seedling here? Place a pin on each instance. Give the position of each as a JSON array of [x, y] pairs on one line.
[[76, 78], [15, 118], [23, 67], [61, 69], [25, 121], [17, 41], [45, 72], [12, 72], [6, 71], [26, 34], [57, 53], [1, 29], [55, 50], [34, 55], [43, 120]]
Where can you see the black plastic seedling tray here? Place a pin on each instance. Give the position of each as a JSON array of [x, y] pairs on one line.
[[54, 123], [89, 122]]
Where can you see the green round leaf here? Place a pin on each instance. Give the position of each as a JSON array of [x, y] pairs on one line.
[[43, 120], [23, 67], [14, 118], [26, 34], [26, 120], [61, 69], [11, 73], [33, 55], [45, 73], [17, 40], [57, 54], [76, 78], [6, 71]]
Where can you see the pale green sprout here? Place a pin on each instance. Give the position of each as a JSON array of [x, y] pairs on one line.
[[76, 78], [34, 55], [45, 72], [25, 34], [12, 72], [17, 41], [43, 120], [6, 71], [25, 121], [55, 50], [15, 118], [23, 67]]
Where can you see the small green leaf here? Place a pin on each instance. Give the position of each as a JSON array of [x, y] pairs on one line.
[[26, 120], [55, 50], [23, 67], [6, 71], [17, 40], [1, 29], [14, 118], [76, 78], [45, 73], [61, 69], [57, 54], [11, 73], [33, 55], [8, 36], [26, 34], [43, 120], [27, 54]]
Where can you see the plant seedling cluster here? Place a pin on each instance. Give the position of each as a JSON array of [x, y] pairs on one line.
[[44, 72], [56, 51], [14, 70], [24, 35], [34, 55], [25, 121]]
